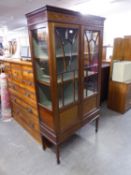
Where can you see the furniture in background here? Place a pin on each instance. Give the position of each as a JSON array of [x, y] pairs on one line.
[[119, 95], [22, 94], [121, 71], [122, 48], [66, 52], [118, 49], [119, 98]]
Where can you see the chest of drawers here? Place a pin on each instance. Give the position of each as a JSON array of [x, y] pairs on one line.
[[23, 96]]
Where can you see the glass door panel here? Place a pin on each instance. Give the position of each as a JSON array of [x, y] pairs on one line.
[[66, 44], [44, 96], [40, 47], [41, 61], [91, 59]]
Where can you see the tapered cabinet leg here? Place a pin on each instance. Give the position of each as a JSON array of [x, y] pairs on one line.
[[44, 143], [97, 124], [58, 154]]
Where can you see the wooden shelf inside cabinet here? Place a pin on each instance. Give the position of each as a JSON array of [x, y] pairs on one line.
[[91, 73], [46, 108], [66, 52], [63, 77], [67, 76], [45, 82]]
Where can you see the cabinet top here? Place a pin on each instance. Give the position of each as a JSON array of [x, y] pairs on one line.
[[49, 8], [10, 60]]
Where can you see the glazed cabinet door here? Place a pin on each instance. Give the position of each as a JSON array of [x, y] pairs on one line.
[[91, 69], [41, 66], [67, 69]]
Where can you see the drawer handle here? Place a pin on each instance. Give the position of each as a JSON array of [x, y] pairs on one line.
[[16, 73], [31, 125], [30, 83], [27, 94], [17, 112], [29, 71], [24, 81], [13, 86], [14, 100], [29, 110]]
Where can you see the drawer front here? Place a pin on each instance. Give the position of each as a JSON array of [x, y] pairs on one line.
[[26, 107], [16, 72], [30, 121], [7, 67], [15, 87], [8, 70], [29, 84], [24, 94], [29, 95], [27, 72], [28, 79]]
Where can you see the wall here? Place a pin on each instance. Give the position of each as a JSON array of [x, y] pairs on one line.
[[117, 25], [20, 36]]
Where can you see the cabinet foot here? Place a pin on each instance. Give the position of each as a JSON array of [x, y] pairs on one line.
[[58, 154], [97, 125], [44, 143]]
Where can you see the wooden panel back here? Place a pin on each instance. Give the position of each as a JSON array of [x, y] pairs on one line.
[[68, 117], [89, 105], [46, 117]]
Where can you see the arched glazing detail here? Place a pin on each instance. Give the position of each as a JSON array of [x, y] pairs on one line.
[[91, 59], [66, 46]]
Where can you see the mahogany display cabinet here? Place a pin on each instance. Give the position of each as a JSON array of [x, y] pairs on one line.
[[66, 49]]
